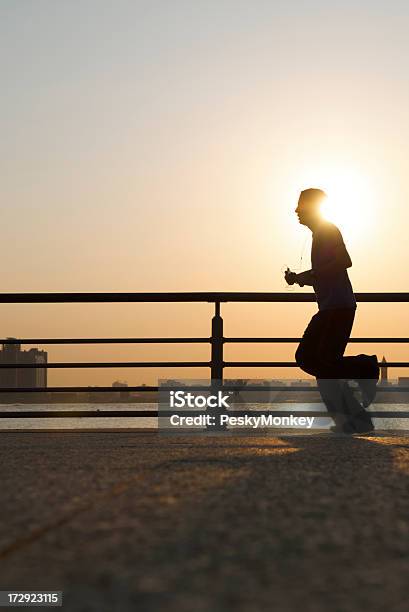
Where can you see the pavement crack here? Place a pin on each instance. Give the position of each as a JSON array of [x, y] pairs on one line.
[[39, 532]]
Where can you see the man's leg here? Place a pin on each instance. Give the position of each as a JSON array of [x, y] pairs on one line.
[[332, 394], [338, 367], [315, 350], [359, 418], [362, 368], [365, 370]]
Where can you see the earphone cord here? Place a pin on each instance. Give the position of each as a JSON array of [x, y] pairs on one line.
[[303, 251], [285, 267]]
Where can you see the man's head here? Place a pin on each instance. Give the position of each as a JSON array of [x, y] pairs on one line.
[[309, 206]]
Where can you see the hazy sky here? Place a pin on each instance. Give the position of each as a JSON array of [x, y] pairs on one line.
[[160, 146]]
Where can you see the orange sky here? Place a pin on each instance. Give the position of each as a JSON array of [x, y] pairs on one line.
[[162, 148]]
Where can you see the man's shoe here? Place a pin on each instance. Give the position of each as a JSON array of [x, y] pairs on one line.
[[347, 428], [363, 423], [364, 429], [368, 384]]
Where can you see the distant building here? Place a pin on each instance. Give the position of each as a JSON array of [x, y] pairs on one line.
[[22, 377], [384, 371], [301, 383], [122, 394], [170, 382]]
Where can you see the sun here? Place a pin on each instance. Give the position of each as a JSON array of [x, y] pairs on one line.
[[350, 202]]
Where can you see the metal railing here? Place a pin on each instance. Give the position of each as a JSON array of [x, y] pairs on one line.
[[217, 340]]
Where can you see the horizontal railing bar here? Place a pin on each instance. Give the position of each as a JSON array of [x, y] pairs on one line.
[[170, 364], [283, 340], [292, 364], [200, 296], [315, 413], [151, 389], [294, 388], [28, 414], [108, 364], [35, 414], [176, 340], [24, 414], [100, 340], [77, 389]]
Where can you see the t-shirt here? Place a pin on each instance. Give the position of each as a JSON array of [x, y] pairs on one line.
[[332, 288]]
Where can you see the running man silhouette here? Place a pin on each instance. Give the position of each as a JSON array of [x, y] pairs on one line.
[[321, 350]]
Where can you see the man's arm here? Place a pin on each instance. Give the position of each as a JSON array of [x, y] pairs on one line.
[[340, 260], [304, 278], [335, 258]]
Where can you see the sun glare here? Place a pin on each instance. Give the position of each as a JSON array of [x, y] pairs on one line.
[[350, 203]]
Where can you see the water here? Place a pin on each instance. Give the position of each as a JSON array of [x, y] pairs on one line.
[[74, 423]]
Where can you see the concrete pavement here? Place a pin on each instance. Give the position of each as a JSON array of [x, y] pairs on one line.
[[138, 521]]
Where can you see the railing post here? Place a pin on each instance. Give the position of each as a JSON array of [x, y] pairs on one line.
[[216, 340], [216, 366]]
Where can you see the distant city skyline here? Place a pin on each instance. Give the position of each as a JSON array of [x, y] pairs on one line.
[[22, 377], [37, 377]]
